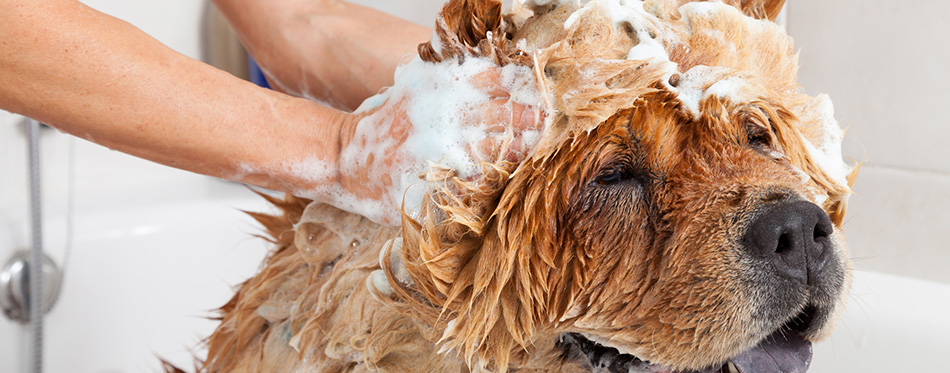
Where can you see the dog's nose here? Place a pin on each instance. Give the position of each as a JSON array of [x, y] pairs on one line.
[[794, 237]]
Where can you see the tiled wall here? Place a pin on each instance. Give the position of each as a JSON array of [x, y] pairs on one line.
[[884, 64]]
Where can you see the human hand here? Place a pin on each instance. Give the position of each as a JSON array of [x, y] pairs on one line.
[[433, 118]]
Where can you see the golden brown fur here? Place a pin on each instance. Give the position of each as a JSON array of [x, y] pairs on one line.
[[494, 271]]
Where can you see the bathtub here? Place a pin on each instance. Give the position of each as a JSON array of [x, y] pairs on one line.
[[142, 280], [891, 324]]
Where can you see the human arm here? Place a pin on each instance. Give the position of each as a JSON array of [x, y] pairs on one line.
[[99, 78], [330, 50]]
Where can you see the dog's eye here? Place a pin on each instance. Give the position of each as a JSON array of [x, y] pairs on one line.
[[613, 176], [758, 137]]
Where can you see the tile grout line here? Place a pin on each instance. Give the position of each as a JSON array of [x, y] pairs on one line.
[[906, 169]]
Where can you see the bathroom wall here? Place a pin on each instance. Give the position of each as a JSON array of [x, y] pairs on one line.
[[102, 178], [100, 173], [884, 64], [422, 12]]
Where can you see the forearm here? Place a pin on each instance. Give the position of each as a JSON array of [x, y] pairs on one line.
[[100, 78], [322, 48]]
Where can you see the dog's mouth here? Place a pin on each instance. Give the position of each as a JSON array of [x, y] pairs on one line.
[[785, 350]]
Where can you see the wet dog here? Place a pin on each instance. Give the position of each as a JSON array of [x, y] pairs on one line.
[[681, 211]]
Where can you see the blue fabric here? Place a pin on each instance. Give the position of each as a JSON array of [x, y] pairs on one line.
[[255, 74]]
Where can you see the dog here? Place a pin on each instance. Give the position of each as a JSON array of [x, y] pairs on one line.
[[680, 212]]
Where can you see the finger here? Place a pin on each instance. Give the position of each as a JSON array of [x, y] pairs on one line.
[[485, 149], [527, 117], [489, 81], [527, 132], [506, 125], [493, 116]]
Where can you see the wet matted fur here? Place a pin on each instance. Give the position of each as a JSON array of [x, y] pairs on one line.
[[627, 225]]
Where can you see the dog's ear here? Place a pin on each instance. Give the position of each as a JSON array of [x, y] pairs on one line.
[[485, 281], [760, 9]]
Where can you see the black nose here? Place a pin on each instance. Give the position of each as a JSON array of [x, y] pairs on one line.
[[794, 237]]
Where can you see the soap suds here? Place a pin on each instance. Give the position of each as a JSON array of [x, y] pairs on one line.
[[629, 12], [373, 102], [692, 87], [728, 89], [315, 169], [702, 9], [648, 49], [446, 334], [378, 281], [436, 43], [390, 254], [827, 153], [541, 3], [445, 103]]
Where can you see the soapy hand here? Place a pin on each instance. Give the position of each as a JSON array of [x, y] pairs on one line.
[[453, 114], [453, 117]]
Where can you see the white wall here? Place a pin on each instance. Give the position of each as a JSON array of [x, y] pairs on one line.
[[422, 12], [100, 171], [884, 64], [103, 178]]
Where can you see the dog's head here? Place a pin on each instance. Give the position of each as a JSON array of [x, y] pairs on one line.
[[682, 208]]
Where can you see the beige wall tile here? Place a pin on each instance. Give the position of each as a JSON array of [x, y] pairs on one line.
[[899, 222], [884, 63], [12, 159], [422, 12]]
